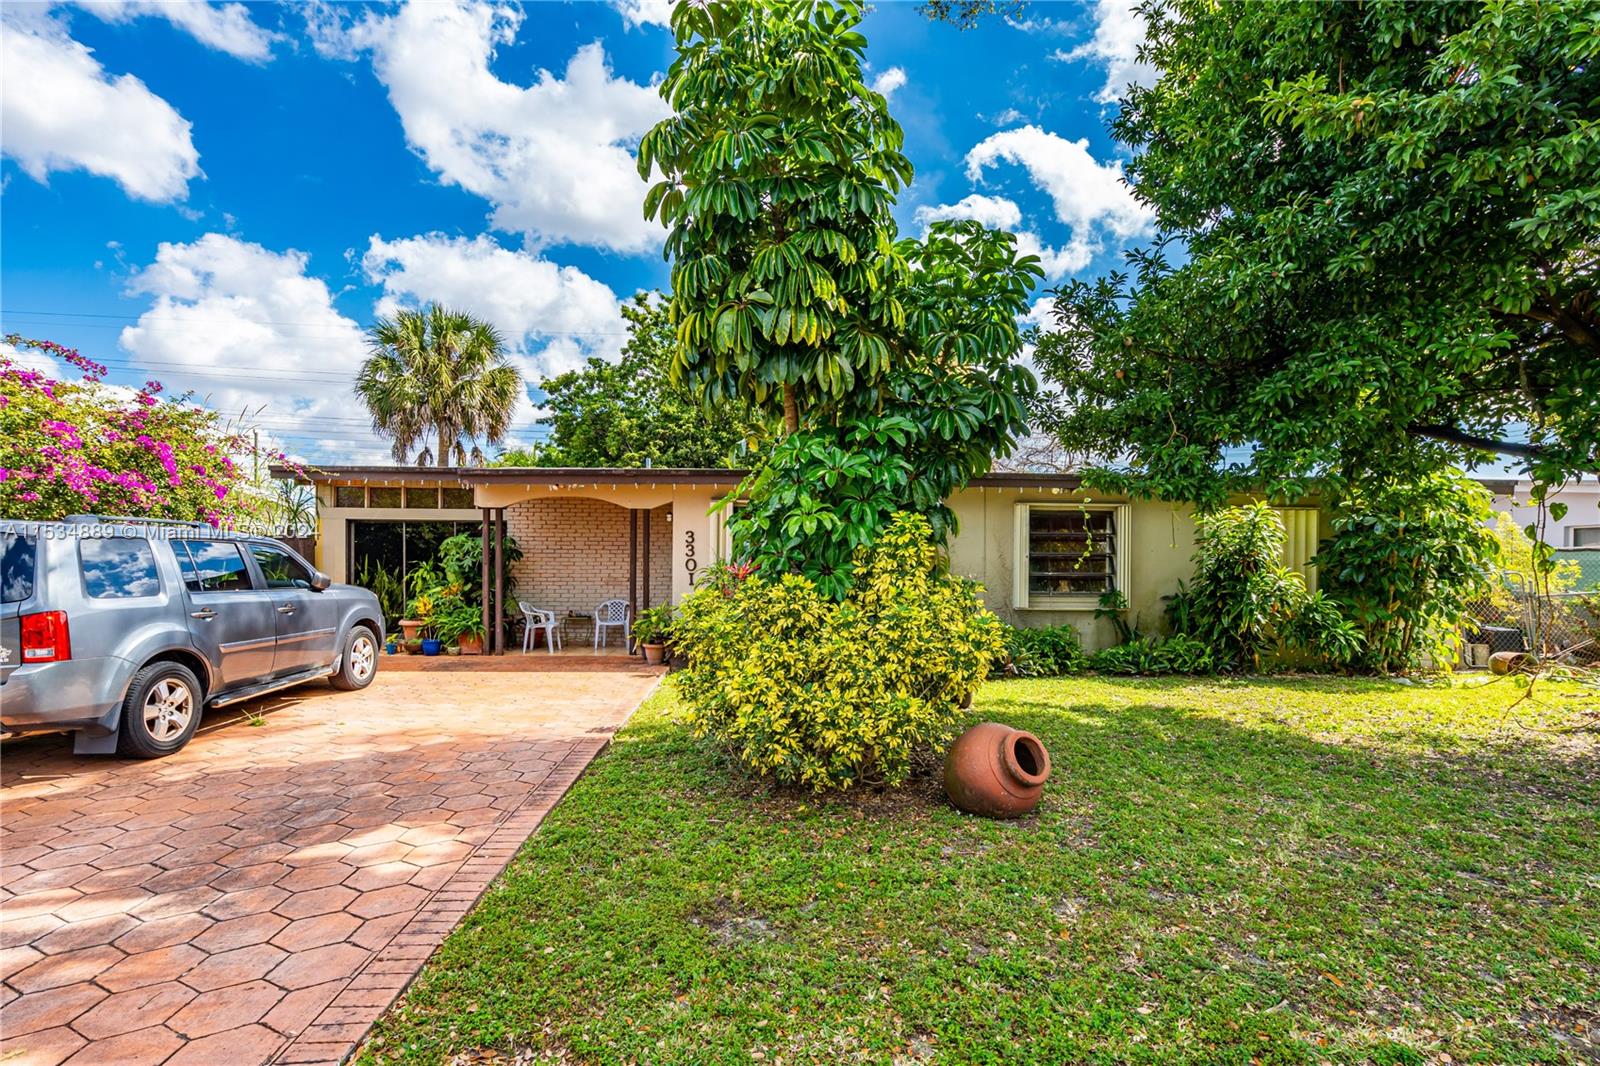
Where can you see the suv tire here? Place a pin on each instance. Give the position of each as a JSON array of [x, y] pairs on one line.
[[358, 663], [160, 712]]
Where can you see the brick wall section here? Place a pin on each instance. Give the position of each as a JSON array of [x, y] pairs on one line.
[[575, 553]]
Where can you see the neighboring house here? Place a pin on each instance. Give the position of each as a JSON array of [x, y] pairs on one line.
[[589, 535], [1578, 528]]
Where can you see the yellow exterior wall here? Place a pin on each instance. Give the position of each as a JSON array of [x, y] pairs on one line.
[[1159, 542]]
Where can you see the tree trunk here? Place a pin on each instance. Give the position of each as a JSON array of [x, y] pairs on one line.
[[447, 445], [791, 410]]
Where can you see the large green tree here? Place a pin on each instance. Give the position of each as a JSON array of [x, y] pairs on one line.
[[442, 372], [629, 412], [1379, 230], [891, 360]]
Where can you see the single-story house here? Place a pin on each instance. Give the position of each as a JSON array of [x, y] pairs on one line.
[[643, 535]]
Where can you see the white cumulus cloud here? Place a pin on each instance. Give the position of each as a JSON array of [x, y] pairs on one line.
[[225, 27], [554, 157], [645, 12], [1118, 32], [553, 317], [890, 80], [61, 111], [251, 332], [1089, 197], [997, 212]]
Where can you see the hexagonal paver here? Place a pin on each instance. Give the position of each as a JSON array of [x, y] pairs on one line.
[[316, 965], [319, 876], [163, 933], [135, 1009], [143, 1047], [86, 934], [386, 901], [226, 1008], [151, 967], [45, 1047], [240, 932], [316, 901], [47, 1009], [68, 968], [234, 967], [253, 1043], [316, 931], [250, 901], [203, 909]]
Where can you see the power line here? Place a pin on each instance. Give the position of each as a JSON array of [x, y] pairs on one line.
[[347, 323]]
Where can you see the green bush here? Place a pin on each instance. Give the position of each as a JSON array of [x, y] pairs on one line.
[[1406, 561], [1177, 654], [828, 694], [1046, 651], [1244, 604]]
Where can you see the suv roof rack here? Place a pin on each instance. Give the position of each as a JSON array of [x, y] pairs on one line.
[[139, 520]]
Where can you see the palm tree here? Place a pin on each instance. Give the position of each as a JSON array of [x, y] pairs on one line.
[[437, 371]]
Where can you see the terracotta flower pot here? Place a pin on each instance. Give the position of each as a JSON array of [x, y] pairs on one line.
[[996, 771], [654, 653], [470, 643], [411, 629]]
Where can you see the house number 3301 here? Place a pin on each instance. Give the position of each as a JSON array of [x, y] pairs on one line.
[[689, 562]]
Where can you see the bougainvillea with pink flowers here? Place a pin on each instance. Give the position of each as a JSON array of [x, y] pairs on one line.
[[85, 447]]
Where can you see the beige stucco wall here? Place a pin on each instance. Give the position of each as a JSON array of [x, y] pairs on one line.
[[1160, 540]]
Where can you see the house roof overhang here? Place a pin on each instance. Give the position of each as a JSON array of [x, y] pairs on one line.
[[589, 475]]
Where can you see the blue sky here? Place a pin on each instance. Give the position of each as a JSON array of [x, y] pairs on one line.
[[223, 196]]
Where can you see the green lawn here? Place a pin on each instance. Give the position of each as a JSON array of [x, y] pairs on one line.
[[1221, 871]]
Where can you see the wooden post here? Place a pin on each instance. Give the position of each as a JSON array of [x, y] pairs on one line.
[[633, 563], [483, 572], [646, 538], [499, 581]]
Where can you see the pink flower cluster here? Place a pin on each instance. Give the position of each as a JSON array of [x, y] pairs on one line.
[[73, 451]]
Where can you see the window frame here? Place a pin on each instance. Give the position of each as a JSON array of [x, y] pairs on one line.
[[261, 571], [1024, 600], [1572, 536], [189, 564]]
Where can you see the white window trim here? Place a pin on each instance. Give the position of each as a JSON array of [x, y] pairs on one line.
[[1572, 535], [1023, 600]]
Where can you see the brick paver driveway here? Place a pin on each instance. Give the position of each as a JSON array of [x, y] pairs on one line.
[[262, 895]]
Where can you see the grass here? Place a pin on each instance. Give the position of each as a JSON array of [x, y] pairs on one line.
[[1221, 871]]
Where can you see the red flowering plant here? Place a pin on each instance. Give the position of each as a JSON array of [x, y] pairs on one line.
[[78, 447]]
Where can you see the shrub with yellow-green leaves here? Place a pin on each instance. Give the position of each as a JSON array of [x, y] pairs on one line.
[[825, 693]]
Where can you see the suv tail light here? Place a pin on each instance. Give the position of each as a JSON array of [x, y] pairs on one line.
[[45, 638]]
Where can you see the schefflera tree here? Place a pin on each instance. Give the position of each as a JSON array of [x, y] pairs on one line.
[[892, 361]]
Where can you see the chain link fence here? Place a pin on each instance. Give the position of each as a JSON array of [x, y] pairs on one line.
[[1562, 627]]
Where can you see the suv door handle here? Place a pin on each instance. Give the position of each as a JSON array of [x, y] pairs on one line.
[[203, 613], [286, 608]]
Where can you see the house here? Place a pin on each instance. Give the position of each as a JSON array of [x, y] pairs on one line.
[[1044, 550], [1579, 527]]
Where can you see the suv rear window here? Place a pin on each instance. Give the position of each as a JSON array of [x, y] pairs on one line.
[[118, 567], [212, 566], [17, 555]]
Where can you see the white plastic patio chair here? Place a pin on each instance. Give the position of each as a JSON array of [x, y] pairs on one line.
[[537, 619], [611, 615]]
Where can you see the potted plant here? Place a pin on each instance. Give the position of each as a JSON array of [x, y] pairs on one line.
[[459, 625], [391, 644], [652, 629], [411, 629]]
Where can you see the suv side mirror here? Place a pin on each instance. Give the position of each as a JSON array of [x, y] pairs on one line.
[[320, 581]]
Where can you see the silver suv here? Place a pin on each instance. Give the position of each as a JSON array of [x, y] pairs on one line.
[[123, 629]]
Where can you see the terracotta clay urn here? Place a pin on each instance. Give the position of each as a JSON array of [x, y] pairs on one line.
[[996, 771]]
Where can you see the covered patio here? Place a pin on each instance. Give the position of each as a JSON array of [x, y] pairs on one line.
[[585, 537]]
